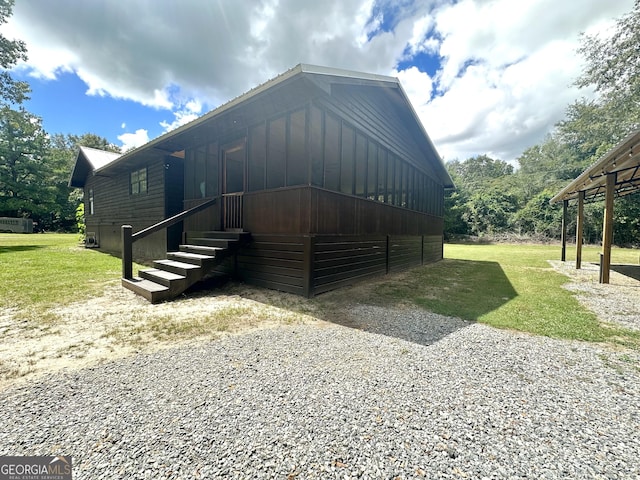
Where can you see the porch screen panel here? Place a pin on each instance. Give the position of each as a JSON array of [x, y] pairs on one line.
[[361, 165], [347, 163], [315, 146], [425, 195], [372, 171], [406, 185], [212, 189], [398, 182], [419, 191], [201, 172], [432, 197], [391, 169], [189, 176], [331, 153], [382, 175], [257, 156], [296, 152], [415, 191], [276, 152]]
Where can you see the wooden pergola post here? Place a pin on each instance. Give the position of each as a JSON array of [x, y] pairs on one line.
[[607, 229], [579, 230], [565, 204]]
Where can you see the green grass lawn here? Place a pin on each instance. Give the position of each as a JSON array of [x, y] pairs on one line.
[[508, 286], [42, 270]]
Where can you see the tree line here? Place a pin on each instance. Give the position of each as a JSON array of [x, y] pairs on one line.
[[492, 198], [34, 166]]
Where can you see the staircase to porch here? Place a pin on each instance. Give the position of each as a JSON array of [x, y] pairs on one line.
[[194, 261]]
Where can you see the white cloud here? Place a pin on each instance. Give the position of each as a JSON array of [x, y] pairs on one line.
[[504, 79], [133, 140], [506, 74], [417, 85], [187, 113]]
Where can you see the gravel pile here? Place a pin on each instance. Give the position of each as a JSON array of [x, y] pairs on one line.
[[447, 400]]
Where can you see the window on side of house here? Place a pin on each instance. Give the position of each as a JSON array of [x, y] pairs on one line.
[[91, 208], [139, 182]]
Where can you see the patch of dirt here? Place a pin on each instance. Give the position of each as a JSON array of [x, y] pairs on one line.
[[120, 323]]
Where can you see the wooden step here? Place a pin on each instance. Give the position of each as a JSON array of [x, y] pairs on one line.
[[188, 270], [153, 292], [213, 242], [163, 277], [193, 258], [195, 261], [202, 249], [218, 234]]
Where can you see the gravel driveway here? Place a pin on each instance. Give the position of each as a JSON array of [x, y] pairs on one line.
[[434, 397]]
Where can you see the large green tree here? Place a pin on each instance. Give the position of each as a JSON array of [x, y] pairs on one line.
[[34, 167], [483, 201], [11, 51], [613, 69], [24, 172], [61, 157]]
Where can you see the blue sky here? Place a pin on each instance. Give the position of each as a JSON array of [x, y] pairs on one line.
[[65, 107], [485, 76]]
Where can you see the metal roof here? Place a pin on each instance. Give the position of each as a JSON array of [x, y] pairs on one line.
[[315, 72], [623, 159], [89, 160]]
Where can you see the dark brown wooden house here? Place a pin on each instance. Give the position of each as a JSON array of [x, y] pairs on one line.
[[309, 182]]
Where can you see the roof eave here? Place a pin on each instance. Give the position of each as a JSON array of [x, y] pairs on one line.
[[447, 181], [610, 162], [212, 114]]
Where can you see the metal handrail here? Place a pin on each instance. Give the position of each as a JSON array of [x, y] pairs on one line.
[[128, 237]]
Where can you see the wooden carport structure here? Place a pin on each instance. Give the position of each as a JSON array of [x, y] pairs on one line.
[[615, 174]]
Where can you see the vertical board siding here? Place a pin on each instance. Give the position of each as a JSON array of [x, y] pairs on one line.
[[281, 211], [382, 114], [341, 260], [340, 214], [404, 252], [204, 221], [115, 206], [313, 210], [273, 261]]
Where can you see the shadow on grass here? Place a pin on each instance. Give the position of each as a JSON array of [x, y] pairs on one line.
[[425, 304], [467, 289], [20, 248], [422, 305]]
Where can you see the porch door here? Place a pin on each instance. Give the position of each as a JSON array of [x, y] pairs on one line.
[[233, 161]]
